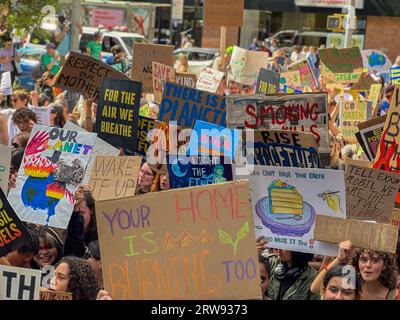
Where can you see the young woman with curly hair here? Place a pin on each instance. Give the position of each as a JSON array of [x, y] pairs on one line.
[[76, 276]]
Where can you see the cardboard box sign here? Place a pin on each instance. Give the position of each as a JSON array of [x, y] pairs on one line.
[[223, 13], [85, 74], [19, 283], [180, 244], [362, 234]]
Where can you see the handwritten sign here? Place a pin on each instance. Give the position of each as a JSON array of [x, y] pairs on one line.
[[180, 244], [5, 163], [283, 149], [351, 114], [186, 79], [296, 112], [245, 65], [186, 105], [291, 79], [209, 80], [286, 202], [114, 177], [218, 13], [43, 115], [370, 133], [144, 56], [118, 113], [267, 82], [362, 234], [54, 295], [19, 283], [307, 77], [161, 74], [395, 218], [376, 61], [374, 94], [85, 74]]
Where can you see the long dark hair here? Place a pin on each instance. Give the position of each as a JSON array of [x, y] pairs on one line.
[[91, 229]]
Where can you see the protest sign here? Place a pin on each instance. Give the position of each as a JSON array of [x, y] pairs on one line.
[[395, 218], [114, 177], [5, 163], [198, 170], [307, 76], [363, 84], [84, 74], [45, 294], [283, 149], [370, 134], [144, 56], [291, 79], [395, 75], [53, 166], [226, 13], [161, 74], [186, 244], [19, 283], [362, 234], [145, 125], [118, 113], [295, 112], [210, 139], [342, 65], [351, 114], [209, 80], [370, 193], [43, 115], [186, 79], [286, 202], [13, 233], [100, 148], [186, 105], [6, 87], [373, 95], [245, 65], [376, 61], [267, 82]]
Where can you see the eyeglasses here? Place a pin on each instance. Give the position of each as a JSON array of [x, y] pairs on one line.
[[147, 174], [373, 260]]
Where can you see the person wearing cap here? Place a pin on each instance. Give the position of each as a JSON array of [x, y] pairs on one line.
[[95, 46], [51, 59]]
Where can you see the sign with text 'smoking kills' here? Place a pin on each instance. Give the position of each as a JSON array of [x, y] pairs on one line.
[[118, 113], [191, 243]]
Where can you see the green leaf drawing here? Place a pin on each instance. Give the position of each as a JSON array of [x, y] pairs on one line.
[[243, 231], [224, 237]]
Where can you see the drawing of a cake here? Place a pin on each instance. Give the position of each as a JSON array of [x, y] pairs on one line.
[[284, 199]]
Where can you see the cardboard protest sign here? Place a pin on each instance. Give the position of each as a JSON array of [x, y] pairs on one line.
[[54, 295], [223, 13], [186, 105], [52, 168], [307, 76], [84, 74], [283, 149], [245, 65], [395, 75], [267, 82], [43, 115], [118, 113], [370, 193], [286, 202], [363, 84], [100, 148], [209, 80], [376, 61], [370, 133], [13, 233], [114, 177], [295, 112], [180, 244], [5, 163], [210, 139], [198, 170], [291, 79], [362, 234], [143, 57], [19, 283], [373, 95], [161, 74], [186, 79], [342, 65], [351, 114]]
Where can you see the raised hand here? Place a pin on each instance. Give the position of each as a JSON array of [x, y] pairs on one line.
[[38, 143]]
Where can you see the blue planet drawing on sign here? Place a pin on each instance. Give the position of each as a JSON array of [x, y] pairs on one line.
[[376, 59]]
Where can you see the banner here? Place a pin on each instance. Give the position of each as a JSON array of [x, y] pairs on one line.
[[144, 56], [370, 134], [186, 105], [351, 114], [114, 177], [186, 79], [370, 193], [52, 168], [223, 13], [245, 65], [283, 149], [376, 61], [209, 80], [180, 244], [286, 202], [84, 74], [5, 163], [161, 74], [19, 283], [267, 82], [118, 113], [295, 112], [198, 171]]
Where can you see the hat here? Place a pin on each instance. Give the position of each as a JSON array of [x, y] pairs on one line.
[[50, 45]]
